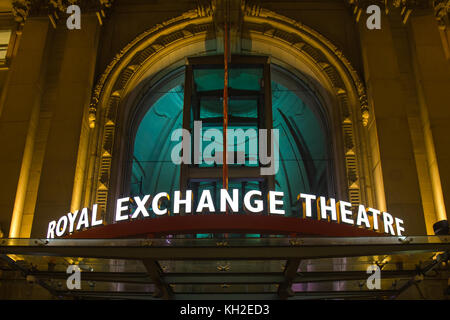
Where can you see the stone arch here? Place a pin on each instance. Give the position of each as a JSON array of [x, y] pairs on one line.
[[163, 48]]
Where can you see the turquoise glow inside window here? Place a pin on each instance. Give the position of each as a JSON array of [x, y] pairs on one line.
[[304, 157], [153, 170], [212, 108], [208, 79], [245, 78], [242, 144], [303, 148], [242, 78]]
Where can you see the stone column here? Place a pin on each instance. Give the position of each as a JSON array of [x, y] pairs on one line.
[[64, 166], [393, 164], [432, 75], [18, 121]]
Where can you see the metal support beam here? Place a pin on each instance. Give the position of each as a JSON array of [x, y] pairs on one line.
[[106, 295], [155, 271], [304, 277], [25, 273], [362, 294], [366, 294], [122, 277], [103, 251], [290, 272], [219, 278], [421, 272]]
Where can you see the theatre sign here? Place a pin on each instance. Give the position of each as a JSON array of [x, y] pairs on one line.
[[139, 209]]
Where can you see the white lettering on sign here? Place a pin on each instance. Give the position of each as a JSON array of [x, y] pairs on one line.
[[327, 209]]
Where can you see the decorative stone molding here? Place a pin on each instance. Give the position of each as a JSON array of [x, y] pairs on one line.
[[402, 7], [251, 7], [21, 10], [205, 8], [299, 42], [54, 9], [442, 12], [328, 59]]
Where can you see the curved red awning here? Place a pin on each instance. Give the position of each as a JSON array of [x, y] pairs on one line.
[[190, 224]]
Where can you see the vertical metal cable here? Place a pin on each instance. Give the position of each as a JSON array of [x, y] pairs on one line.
[[225, 99]]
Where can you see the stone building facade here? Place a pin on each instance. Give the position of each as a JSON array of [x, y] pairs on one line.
[[67, 95]]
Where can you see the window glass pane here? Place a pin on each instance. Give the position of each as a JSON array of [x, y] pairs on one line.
[[208, 79], [153, 170], [242, 145], [212, 107], [303, 148], [239, 78], [245, 78], [247, 108]]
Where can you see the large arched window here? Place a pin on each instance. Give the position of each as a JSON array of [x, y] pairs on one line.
[[152, 168], [305, 163]]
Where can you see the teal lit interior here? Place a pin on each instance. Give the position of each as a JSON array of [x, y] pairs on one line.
[[304, 155], [239, 143], [303, 148], [244, 78], [153, 170]]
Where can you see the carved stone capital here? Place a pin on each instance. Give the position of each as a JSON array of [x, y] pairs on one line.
[[54, 9], [21, 10], [402, 7], [93, 111], [251, 8], [206, 8], [441, 13]]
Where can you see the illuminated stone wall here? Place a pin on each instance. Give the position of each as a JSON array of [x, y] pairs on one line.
[[50, 161]]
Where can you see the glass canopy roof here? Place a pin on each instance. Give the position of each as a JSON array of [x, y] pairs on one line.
[[314, 268]]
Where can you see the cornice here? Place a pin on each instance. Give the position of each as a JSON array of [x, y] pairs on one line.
[[404, 8], [54, 9]]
